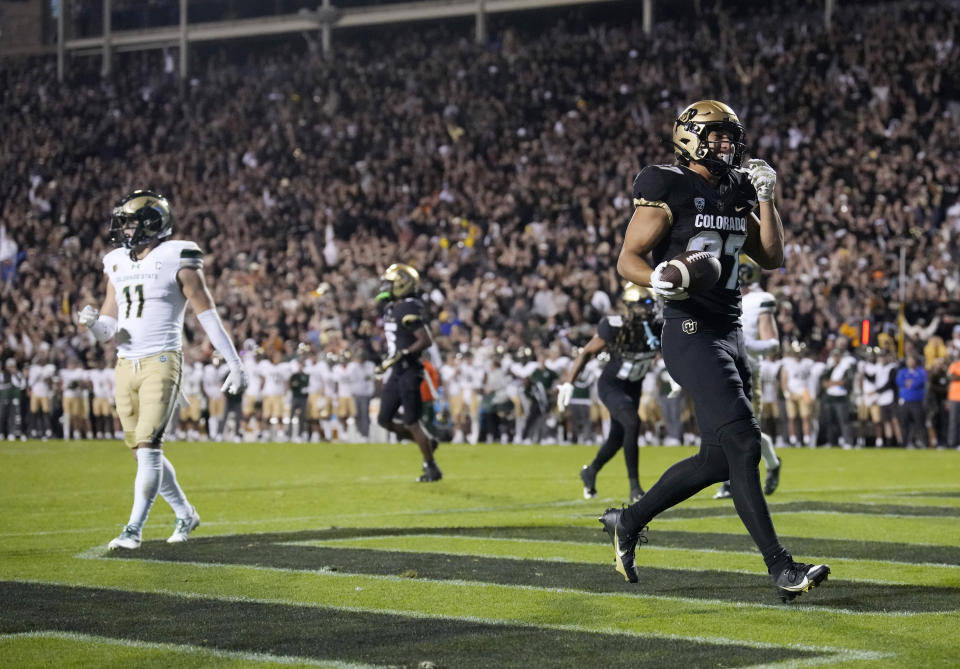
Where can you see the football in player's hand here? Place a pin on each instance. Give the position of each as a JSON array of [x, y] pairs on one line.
[[692, 271]]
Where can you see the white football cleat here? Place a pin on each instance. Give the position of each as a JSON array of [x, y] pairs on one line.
[[129, 540], [184, 526]]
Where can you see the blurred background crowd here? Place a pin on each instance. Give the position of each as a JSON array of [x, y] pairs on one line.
[[503, 172]]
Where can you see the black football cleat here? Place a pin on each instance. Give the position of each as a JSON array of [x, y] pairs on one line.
[[624, 543], [589, 477], [798, 577], [636, 492], [773, 480], [430, 473]]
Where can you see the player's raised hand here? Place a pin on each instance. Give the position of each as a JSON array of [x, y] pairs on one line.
[[763, 177]]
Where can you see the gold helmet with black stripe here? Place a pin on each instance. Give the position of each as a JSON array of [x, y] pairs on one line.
[[140, 218], [695, 123], [397, 282]]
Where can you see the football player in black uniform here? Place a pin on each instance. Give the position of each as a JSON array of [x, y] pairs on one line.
[[407, 337], [706, 202], [633, 345]]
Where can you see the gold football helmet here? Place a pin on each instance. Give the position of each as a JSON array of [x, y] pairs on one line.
[[749, 271], [638, 299], [398, 281], [140, 218], [690, 132]]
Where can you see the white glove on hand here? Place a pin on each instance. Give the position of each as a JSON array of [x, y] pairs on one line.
[[763, 177], [564, 394], [88, 316], [675, 388], [236, 380], [665, 289]]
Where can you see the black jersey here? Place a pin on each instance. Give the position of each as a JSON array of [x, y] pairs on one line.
[[704, 217], [631, 358], [401, 320]]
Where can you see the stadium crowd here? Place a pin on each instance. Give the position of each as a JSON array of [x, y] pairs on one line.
[[503, 173]]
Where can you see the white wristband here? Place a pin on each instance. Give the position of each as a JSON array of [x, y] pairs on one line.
[[218, 336], [104, 328]]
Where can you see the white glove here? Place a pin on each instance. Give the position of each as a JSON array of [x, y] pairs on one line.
[[564, 393], [88, 316], [675, 388], [236, 380], [665, 289], [763, 177]]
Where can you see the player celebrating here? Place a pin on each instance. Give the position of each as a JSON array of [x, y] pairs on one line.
[[407, 337], [633, 347], [762, 340], [705, 204], [150, 280]]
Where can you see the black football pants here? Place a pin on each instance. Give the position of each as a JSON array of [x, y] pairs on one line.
[[622, 399], [711, 364], [401, 388]]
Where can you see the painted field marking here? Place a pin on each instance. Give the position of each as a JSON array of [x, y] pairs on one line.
[[832, 653], [99, 553]]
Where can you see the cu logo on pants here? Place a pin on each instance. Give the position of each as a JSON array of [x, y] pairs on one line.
[[689, 326]]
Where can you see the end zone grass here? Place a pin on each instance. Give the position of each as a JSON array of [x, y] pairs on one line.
[[331, 555]]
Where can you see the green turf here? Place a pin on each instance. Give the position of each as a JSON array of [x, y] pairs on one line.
[[330, 555]]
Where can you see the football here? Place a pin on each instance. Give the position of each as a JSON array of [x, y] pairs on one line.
[[692, 270]]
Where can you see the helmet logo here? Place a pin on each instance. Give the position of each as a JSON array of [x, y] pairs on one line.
[[699, 203]]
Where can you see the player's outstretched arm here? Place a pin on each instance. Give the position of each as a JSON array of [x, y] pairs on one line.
[[195, 289], [102, 323]]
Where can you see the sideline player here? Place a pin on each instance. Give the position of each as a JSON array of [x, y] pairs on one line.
[[150, 280], [706, 203]]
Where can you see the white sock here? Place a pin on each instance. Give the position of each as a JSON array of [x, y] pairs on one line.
[[146, 485], [766, 450], [170, 491]]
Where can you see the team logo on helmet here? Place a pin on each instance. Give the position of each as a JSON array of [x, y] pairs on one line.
[[139, 219], [694, 125]]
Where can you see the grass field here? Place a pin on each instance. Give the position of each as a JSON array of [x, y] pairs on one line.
[[331, 556]]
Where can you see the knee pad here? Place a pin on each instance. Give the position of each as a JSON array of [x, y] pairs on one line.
[[741, 435]]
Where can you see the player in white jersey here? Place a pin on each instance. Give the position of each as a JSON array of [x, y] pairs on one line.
[[276, 374], [213, 375], [40, 383], [74, 384], [150, 280], [317, 370], [762, 340], [103, 394], [191, 388]]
